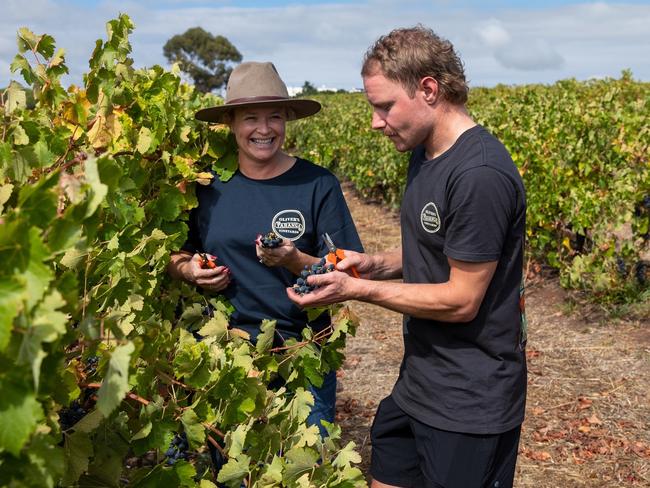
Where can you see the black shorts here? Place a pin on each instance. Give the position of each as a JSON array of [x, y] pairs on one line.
[[410, 454]]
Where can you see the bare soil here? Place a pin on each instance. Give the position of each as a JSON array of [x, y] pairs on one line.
[[588, 412]]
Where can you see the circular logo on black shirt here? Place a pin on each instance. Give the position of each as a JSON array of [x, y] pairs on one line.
[[430, 218], [289, 224]]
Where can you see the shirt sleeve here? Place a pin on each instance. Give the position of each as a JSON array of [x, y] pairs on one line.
[[481, 203], [333, 216]]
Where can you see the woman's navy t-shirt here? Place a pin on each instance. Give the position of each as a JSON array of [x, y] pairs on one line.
[[300, 204]]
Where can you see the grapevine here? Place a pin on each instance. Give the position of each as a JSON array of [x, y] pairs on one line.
[[103, 357]]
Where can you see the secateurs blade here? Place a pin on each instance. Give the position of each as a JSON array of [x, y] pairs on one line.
[[335, 255]]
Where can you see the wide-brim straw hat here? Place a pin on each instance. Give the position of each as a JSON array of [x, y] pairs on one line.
[[253, 84]]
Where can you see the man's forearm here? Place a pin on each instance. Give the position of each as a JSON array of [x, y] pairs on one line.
[[387, 265], [427, 301]]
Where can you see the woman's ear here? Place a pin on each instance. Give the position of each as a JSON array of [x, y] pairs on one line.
[[429, 87]]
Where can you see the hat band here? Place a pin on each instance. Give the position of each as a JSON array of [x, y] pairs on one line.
[[255, 99]]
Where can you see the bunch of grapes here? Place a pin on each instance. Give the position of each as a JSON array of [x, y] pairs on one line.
[[177, 449], [301, 287], [71, 415], [270, 240], [91, 365]]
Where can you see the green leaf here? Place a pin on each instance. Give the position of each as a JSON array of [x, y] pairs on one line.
[[19, 135], [234, 471], [20, 412], [98, 190], [236, 440], [216, 327], [47, 326], [193, 428], [265, 338], [301, 405], [12, 293], [144, 140], [186, 473], [116, 382], [299, 460], [78, 450], [16, 97], [347, 456], [89, 422]]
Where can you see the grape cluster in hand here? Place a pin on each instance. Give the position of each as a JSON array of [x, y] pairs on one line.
[[270, 240], [301, 287], [177, 449]]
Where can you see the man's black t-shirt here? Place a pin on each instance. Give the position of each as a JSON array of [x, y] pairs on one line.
[[300, 204], [467, 204]]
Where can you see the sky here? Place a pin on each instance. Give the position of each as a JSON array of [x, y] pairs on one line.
[[323, 42]]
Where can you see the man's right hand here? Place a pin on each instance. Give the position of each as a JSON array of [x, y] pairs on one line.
[[361, 262]]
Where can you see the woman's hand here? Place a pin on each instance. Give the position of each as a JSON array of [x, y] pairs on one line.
[[194, 270], [286, 254]]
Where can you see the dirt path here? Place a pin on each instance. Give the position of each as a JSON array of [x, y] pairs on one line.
[[588, 409]]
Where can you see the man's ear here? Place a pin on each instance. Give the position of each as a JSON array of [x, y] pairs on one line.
[[429, 87]]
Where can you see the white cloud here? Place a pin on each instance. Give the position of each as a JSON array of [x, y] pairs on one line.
[[536, 55], [494, 34], [325, 43]]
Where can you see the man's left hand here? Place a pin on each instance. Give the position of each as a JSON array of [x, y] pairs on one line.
[[333, 287]]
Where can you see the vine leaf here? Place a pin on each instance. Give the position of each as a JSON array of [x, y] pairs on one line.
[[78, 450], [116, 383], [347, 456], [19, 414], [234, 471]]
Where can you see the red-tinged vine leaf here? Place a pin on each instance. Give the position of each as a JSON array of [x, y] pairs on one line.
[[641, 449], [537, 455], [115, 385], [584, 403], [594, 420]]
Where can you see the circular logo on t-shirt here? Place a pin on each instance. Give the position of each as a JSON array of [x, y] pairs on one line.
[[289, 224], [430, 218]]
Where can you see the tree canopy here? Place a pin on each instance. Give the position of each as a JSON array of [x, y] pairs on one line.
[[205, 58], [308, 89]]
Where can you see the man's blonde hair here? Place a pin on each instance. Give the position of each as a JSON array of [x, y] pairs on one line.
[[407, 55]]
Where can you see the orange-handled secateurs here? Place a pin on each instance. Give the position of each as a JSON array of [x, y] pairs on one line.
[[335, 255]]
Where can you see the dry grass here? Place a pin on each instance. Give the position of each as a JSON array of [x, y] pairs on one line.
[[588, 414]]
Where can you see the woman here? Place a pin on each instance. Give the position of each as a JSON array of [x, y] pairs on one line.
[[270, 191]]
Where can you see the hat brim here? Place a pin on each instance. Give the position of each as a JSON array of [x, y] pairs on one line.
[[300, 108]]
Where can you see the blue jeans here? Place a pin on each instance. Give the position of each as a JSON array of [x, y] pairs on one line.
[[324, 402]]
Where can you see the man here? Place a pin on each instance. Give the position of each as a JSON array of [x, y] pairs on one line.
[[454, 416]]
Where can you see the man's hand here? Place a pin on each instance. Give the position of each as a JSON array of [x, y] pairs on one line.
[[363, 263], [332, 287]]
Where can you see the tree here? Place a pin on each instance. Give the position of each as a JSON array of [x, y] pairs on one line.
[[308, 89], [205, 58]]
